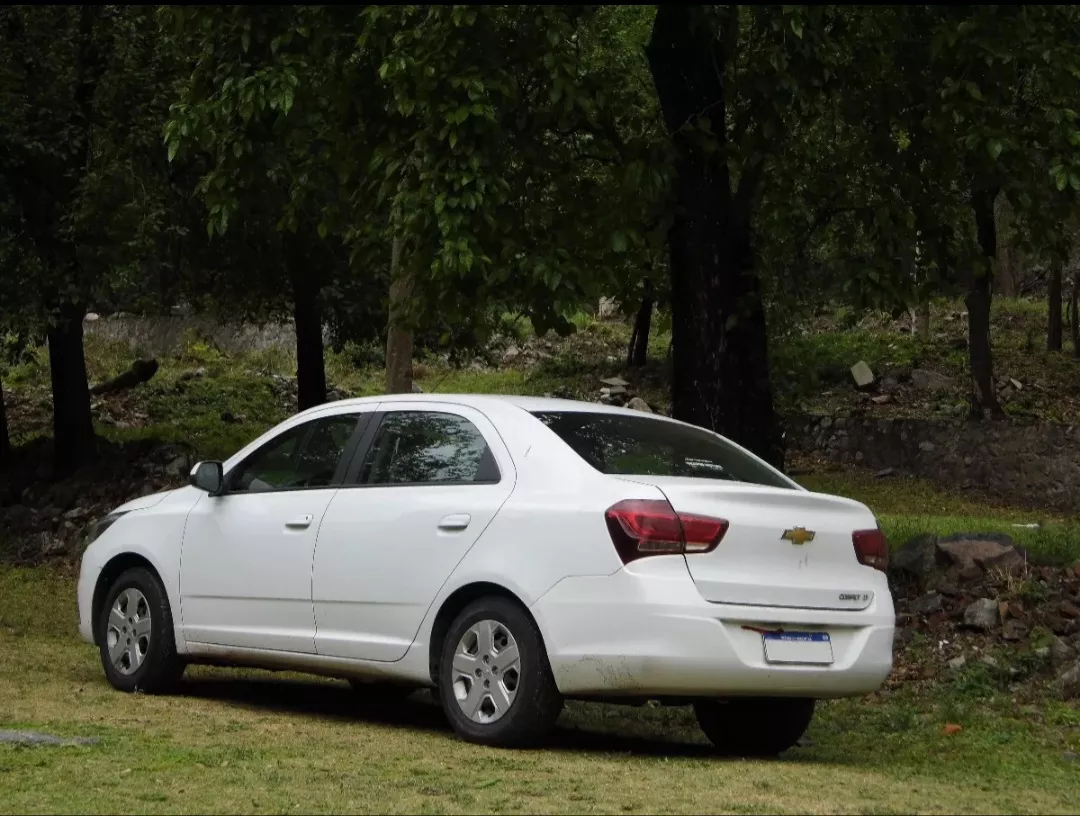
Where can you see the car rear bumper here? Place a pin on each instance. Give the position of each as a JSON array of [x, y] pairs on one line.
[[646, 631]]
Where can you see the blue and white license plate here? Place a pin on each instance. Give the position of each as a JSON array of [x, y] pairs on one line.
[[814, 648]]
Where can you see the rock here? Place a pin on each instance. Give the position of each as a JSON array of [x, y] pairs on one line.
[[617, 391], [91, 317], [926, 447], [883, 473], [511, 354], [928, 604], [926, 380], [39, 738], [1016, 384], [1061, 653], [958, 663], [638, 404], [76, 513], [198, 373], [1070, 682], [615, 382], [416, 389], [1058, 625], [176, 466], [1065, 609], [981, 614], [1076, 569], [989, 662], [1014, 630], [863, 376], [881, 399], [917, 561], [984, 551], [889, 383]]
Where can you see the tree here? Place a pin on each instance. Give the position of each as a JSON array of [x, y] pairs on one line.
[[78, 87], [468, 138], [984, 106]]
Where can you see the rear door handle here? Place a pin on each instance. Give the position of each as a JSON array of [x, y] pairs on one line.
[[299, 523], [458, 521]]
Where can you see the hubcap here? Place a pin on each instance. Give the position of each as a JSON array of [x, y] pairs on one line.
[[487, 669], [128, 636]]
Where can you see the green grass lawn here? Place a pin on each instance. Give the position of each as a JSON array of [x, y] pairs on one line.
[[907, 507], [248, 741]]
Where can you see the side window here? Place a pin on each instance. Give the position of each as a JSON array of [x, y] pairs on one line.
[[426, 447], [304, 456]]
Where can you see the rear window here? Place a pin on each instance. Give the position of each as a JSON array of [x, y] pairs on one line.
[[639, 446]]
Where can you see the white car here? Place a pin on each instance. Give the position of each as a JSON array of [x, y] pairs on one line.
[[510, 552]]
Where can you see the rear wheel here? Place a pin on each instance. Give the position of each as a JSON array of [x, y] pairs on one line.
[[754, 726], [135, 635], [495, 683]]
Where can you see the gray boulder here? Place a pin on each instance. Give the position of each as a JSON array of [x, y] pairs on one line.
[[981, 615]]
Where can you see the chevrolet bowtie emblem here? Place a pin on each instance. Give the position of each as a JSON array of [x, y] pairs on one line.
[[798, 536]]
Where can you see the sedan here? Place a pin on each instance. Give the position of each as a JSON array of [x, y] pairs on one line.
[[509, 553]]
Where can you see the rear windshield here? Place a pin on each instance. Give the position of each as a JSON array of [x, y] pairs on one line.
[[639, 446]]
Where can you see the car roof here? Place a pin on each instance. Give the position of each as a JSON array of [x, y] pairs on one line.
[[489, 401]]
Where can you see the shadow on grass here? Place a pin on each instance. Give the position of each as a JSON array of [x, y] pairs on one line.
[[419, 712]]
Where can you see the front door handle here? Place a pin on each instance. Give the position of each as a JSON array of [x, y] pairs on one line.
[[458, 521], [299, 523]]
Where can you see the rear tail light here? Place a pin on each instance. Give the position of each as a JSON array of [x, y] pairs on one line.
[[871, 548], [642, 527]]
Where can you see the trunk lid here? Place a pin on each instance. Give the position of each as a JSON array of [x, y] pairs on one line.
[[755, 564]]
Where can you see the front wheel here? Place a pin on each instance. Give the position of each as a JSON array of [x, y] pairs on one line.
[[135, 635], [754, 726], [495, 683]]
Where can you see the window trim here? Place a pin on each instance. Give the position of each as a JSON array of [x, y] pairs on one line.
[[352, 474], [362, 420]]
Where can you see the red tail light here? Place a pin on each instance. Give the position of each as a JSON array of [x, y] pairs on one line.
[[871, 548], [641, 527]]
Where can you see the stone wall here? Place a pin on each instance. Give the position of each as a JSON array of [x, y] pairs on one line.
[[159, 336], [1033, 464]]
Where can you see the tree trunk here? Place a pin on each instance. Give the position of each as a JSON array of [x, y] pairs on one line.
[[5, 439], [1074, 317], [1053, 329], [920, 320], [720, 364], [310, 367], [399, 333], [1006, 272], [638, 351], [73, 425], [978, 298]]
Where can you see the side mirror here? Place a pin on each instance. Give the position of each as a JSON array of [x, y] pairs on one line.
[[208, 476]]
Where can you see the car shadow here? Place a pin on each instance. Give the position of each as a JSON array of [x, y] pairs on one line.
[[418, 712]]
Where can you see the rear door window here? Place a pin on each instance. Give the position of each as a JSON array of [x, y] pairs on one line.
[[428, 447], [640, 446]]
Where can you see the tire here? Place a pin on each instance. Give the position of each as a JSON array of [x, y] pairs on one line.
[[528, 703], [754, 726], [138, 594]]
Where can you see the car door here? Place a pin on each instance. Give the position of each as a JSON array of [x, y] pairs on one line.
[[418, 496], [245, 570]]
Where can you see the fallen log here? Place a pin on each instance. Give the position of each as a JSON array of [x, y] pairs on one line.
[[141, 371]]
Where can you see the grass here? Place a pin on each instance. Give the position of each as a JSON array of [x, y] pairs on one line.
[[810, 365], [907, 507], [248, 741]]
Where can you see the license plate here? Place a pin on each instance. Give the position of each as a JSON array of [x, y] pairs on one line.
[[798, 647]]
